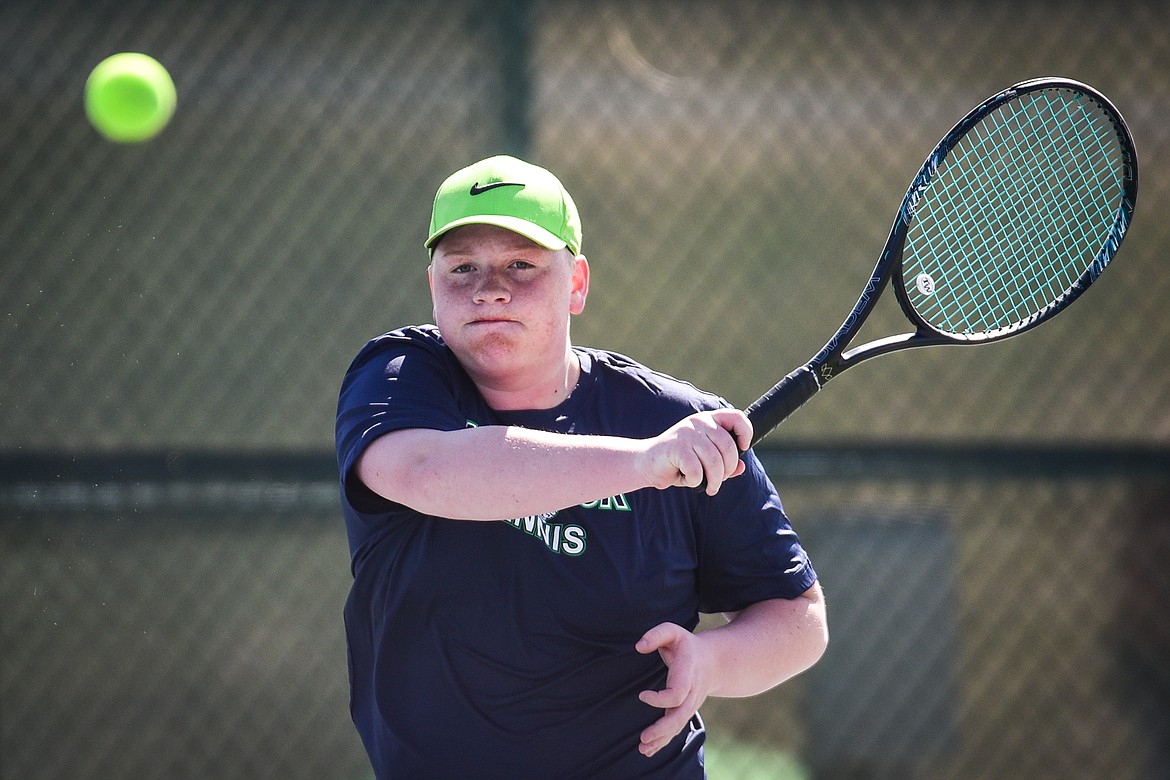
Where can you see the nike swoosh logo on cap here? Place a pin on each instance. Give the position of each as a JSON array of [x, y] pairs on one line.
[[476, 189]]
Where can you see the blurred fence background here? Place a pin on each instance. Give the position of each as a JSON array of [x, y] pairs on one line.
[[991, 524]]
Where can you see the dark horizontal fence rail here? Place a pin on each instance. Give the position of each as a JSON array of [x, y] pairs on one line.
[[280, 481], [801, 462]]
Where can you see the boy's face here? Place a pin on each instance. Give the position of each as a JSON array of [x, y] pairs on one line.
[[502, 303]]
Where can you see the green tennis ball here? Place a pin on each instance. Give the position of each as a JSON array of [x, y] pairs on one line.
[[129, 97]]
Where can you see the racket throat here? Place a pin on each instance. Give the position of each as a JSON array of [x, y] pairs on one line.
[[881, 347]]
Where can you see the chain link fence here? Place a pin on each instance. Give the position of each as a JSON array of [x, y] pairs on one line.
[[175, 318], [994, 614]]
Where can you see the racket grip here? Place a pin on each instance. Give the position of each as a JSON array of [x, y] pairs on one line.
[[774, 406], [785, 397]]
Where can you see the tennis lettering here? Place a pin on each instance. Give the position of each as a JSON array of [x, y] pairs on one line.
[[561, 538], [617, 503], [567, 538]]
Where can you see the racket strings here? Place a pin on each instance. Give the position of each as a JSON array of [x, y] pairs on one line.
[[997, 232], [1056, 240], [1014, 290], [1015, 214], [1004, 236]]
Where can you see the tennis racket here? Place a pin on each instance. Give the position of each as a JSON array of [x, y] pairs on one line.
[[1014, 214]]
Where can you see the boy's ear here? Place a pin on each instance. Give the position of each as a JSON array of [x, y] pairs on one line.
[[580, 289]]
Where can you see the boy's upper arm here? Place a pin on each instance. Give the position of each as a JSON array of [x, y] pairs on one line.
[[397, 383], [385, 461]]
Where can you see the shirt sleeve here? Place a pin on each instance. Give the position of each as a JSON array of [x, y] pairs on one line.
[[748, 549]]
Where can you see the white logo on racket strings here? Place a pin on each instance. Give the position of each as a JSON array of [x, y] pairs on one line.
[[925, 284]]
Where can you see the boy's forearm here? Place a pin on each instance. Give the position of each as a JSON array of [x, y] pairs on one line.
[[497, 472], [768, 643]]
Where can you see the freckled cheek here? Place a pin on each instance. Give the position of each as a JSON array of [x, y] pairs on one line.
[[450, 296], [446, 309]]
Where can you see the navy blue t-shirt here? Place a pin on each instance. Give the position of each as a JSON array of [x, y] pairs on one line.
[[506, 649]]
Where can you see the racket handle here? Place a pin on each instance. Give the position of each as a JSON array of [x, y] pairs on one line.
[[774, 406], [785, 397]]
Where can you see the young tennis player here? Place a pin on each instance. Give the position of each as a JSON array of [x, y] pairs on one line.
[[530, 554]]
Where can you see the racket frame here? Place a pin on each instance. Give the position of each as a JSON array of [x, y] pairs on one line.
[[794, 390]]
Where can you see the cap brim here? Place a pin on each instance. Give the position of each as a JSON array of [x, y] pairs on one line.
[[525, 228]]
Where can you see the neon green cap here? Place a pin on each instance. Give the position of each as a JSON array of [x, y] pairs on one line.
[[511, 194]]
